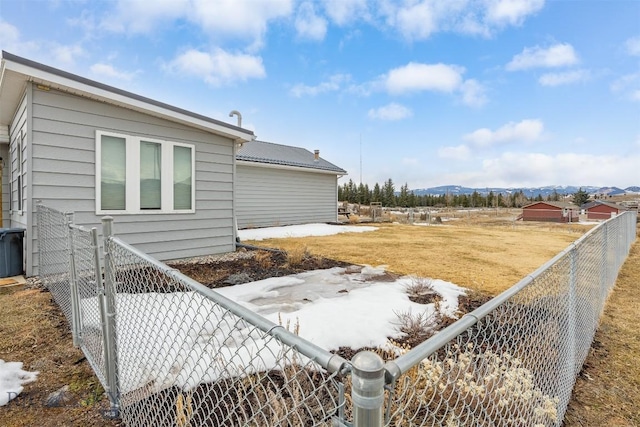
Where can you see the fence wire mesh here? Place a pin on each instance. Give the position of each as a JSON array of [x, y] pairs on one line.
[[179, 354], [185, 360], [517, 364], [53, 252]]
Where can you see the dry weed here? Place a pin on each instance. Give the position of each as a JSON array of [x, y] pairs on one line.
[[296, 255], [354, 219], [264, 259], [495, 388]]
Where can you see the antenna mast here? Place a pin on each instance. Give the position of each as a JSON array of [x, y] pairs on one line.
[[360, 158]]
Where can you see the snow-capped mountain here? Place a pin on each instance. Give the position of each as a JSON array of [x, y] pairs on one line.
[[528, 191]]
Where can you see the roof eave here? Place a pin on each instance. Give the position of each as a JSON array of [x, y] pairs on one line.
[[26, 70], [289, 167]]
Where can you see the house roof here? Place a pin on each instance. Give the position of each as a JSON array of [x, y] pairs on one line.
[[285, 155], [560, 205], [594, 203], [16, 71]]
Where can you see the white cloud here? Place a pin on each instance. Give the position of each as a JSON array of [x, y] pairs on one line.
[[343, 12], [567, 77], [10, 40], [308, 24], [632, 46], [67, 55], [558, 55], [415, 77], [459, 152], [242, 19], [9, 34], [628, 86], [109, 71], [511, 12], [473, 93], [533, 169], [137, 16], [218, 67], [529, 130], [390, 112], [419, 19], [333, 84]]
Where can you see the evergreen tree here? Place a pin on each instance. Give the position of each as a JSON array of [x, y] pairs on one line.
[[376, 196], [403, 199], [388, 194], [580, 197]]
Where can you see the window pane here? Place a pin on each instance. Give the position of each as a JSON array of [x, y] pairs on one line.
[[150, 188], [113, 173], [182, 177]]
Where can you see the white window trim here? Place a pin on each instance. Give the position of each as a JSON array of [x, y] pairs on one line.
[[16, 179], [132, 183]]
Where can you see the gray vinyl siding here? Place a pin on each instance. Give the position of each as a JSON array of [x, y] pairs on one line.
[[268, 196], [6, 168], [18, 218], [63, 170]]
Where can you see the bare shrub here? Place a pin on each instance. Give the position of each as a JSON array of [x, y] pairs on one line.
[[417, 327], [354, 219], [420, 286]]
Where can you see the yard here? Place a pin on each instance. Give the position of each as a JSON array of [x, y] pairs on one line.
[[485, 254]]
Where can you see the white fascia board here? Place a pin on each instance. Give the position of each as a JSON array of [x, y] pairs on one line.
[[286, 167], [78, 88]]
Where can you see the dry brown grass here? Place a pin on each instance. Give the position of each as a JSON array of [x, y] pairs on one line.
[[483, 255], [296, 255], [607, 392], [33, 331]]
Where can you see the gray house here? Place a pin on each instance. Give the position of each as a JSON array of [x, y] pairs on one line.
[[165, 174], [283, 185]]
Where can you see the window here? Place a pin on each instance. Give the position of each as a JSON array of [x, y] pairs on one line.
[[143, 175], [15, 180]]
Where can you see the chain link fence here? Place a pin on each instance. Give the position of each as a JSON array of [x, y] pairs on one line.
[[514, 361], [170, 351]]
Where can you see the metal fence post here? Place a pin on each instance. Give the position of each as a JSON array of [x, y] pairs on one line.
[[110, 299], [367, 389], [107, 317], [76, 326]]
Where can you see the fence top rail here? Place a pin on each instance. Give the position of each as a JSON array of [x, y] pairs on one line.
[[394, 369], [327, 360]]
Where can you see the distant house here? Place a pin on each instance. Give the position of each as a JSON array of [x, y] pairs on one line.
[[284, 185], [601, 210], [77, 145], [550, 211]]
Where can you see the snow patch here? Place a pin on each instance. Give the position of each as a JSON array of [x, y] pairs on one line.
[[12, 378], [183, 339], [304, 230]]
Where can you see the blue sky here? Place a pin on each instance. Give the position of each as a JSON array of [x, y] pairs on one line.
[[468, 92]]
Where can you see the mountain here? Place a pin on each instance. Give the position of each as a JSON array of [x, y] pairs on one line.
[[528, 191], [632, 190]]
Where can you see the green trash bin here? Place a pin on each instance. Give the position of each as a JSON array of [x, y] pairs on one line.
[[11, 251]]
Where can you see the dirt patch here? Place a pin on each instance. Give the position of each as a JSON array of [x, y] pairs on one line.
[[253, 266], [35, 332]]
